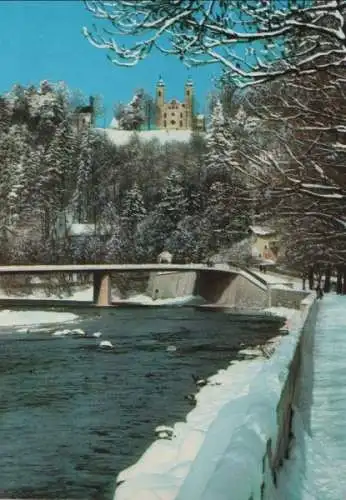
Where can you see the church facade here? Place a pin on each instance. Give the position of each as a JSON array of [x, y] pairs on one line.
[[176, 115]]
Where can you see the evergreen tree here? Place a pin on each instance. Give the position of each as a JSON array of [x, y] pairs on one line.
[[132, 116], [220, 159], [133, 210], [132, 214], [173, 204]]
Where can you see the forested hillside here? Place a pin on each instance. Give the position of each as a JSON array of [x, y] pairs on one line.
[[142, 198]]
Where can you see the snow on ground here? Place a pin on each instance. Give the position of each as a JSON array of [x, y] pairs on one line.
[[234, 416], [29, 318], [121, 137], [78, 294], [317, 470]]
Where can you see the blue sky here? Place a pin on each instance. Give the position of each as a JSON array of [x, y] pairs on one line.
[[42, 40]]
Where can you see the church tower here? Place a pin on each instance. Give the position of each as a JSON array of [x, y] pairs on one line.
[[189, 97], [160, 102]]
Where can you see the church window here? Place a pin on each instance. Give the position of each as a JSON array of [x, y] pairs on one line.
[[159, 93], [187, 92]]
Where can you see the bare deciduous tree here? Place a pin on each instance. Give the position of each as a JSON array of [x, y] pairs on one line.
[[244, 37]]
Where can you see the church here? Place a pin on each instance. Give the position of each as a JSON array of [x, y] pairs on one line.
[[176, 115]]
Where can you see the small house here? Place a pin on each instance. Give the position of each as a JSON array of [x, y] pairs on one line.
[[165, 258], [265, 244]]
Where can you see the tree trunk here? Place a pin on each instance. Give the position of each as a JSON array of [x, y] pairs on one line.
[[339, 281], [344, 283], [311, 278], [327, 280]]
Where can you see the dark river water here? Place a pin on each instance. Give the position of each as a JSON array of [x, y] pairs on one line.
[[72, 415]]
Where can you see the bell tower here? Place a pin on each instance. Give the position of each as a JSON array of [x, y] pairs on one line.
[[160, 101], [189, 97]]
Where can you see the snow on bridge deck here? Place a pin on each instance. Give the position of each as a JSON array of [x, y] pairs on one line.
[[74, 268]]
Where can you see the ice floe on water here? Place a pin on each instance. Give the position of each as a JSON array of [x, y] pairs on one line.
[[27, 318], [106, 344]]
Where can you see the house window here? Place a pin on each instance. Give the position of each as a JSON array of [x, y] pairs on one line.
[[181, 115], [165, 115], [172, 122], [173, 114], [165, 123], [181, 123]]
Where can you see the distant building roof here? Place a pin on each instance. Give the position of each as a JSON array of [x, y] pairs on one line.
[[262, 231]]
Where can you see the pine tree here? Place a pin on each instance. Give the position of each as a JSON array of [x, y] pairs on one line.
[[132, 116], [132, 214], [54, 181], [133, 210], [220, 159], [173, 204]]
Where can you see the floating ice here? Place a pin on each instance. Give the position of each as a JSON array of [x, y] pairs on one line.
[[171, 348], [106, 344]]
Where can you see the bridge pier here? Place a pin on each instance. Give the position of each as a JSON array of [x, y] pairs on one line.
[[102, 289]]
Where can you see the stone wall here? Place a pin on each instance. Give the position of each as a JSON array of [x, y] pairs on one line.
[[171, 284], [216, 287], [281, 297]]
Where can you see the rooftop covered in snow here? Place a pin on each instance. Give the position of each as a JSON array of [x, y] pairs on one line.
[[262, 231]]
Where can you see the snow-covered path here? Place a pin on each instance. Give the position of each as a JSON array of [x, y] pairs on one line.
[[318, 468]]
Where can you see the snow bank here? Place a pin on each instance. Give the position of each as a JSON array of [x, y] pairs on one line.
[[20, 318], [222, 445], [122, 137], [80, 294]]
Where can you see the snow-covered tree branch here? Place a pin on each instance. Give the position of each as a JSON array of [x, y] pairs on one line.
[[253, 40]]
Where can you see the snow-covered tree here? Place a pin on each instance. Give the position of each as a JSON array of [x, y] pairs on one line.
[[133, 209], [279, 38], [173, 204], [132, 115], [221, 158]]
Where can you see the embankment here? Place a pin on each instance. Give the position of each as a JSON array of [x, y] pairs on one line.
[[239, 434], [231, 289]]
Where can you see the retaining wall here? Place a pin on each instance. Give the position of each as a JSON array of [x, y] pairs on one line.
[[281, 297], [216, 287], [171, 284]]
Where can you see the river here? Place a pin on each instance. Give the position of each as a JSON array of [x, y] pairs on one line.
[[73, 415]]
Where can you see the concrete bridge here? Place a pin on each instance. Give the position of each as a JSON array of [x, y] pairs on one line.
[[221, 284]]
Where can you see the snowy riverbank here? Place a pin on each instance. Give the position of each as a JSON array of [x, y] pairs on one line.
[[179, 466], [30, 318]]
